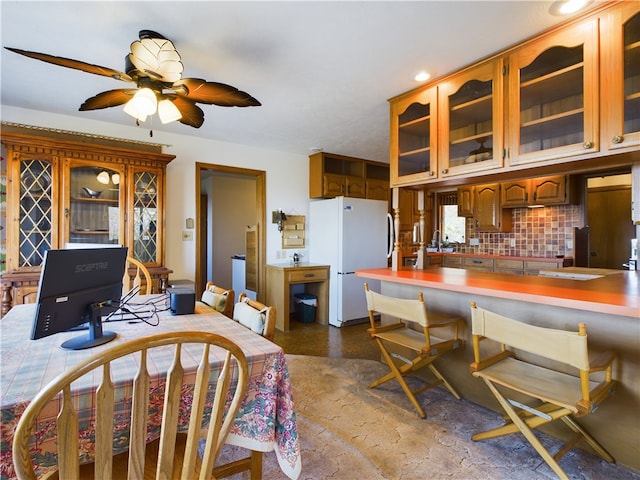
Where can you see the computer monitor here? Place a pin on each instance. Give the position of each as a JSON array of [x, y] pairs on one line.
[[77, 287]]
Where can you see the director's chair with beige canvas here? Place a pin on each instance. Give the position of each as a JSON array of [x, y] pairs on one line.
[[549, 392], [433, 336]]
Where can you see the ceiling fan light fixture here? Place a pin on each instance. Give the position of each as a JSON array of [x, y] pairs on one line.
[[143, 104], [168, 112]]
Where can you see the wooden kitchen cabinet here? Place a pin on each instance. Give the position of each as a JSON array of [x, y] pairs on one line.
[[620, 79], [333, 175], [470, 120], [488, 214], [553, 96], [413, 137], [68, 189], [535, 191], [465, 201]]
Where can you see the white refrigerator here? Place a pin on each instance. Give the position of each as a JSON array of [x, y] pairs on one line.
[[348, 234]]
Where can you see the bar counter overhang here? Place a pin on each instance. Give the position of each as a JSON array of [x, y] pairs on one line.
[[608, 305]]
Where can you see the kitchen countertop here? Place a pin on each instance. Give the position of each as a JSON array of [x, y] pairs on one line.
[[610, 294]]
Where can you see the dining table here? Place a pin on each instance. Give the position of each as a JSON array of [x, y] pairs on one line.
[[265, 422]]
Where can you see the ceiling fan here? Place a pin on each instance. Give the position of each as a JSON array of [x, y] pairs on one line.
[[155, 68]]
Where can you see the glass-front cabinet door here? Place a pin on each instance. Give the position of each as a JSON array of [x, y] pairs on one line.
[[413, 137], [470, 120], [93, 201], [553, 101], [620, 82], [145, 219], [32, 232]]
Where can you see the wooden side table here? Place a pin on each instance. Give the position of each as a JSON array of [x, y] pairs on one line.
[[280, 277]]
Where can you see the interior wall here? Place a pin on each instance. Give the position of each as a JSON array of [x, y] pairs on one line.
[[233, 207], [286, 175]]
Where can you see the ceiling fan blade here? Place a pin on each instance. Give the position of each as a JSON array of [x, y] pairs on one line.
[[192, 115], [110, 98], [201, 91], [74, 64]]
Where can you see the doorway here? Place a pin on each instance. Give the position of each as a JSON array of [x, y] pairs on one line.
[[609, 220], [227, 200]]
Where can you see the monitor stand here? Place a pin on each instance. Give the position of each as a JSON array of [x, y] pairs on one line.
[[96, 335]]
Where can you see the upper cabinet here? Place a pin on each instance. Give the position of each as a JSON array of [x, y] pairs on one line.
[[620, 83], [333, 175], [68, 191], [470, 120], [535, 191], [413, 137], [570, 94], [553, 102]]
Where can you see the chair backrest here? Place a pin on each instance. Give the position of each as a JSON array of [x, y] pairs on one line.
[[403, 309], [141, 277], [558, 345], [230, 366], [255, 315], [219, 298]]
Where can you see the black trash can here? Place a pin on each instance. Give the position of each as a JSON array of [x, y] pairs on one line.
[[306, 306]]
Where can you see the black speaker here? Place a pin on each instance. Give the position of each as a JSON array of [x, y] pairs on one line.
[[183, 300]]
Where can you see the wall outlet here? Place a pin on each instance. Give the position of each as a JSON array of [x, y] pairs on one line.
[[474, 242], [569, 244], [512, 242], [187, 236]]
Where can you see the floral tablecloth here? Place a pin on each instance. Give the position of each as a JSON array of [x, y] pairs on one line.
[[266, 420]]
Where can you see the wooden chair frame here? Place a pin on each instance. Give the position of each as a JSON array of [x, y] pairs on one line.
[[421, 342], [142, 277], [165, 464], [230, 301], [558, 395]]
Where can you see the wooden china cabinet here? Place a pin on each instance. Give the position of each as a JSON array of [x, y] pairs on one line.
[[70, 189]]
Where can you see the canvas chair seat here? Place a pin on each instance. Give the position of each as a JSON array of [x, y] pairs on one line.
[[536, 394], [415, 347]]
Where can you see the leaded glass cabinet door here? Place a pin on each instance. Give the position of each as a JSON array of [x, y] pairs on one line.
[[34, 231], [554, 96], [471, 120], [146, 218], [93, 203]]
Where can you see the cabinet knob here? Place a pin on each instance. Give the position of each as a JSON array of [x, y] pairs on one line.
[[587, 144], [431, 173], [617, 139], [445, 170]]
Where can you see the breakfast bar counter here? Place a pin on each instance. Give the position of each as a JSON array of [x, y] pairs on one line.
[[609, 305]]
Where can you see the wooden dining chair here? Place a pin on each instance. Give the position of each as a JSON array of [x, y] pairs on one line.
[[140, 462], [414, 333], [140, 278], [551, 391], [255, 315], [218, 298]]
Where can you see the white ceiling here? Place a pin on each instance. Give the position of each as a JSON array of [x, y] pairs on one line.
[[323, 71]]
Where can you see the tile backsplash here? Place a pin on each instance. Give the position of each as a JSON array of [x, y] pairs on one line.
[[536, 232]]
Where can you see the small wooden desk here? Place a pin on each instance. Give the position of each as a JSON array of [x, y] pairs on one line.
[[280, 277]]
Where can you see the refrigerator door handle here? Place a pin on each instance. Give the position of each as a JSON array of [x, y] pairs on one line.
[[390, 235]]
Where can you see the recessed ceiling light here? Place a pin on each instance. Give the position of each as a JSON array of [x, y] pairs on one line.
[[567, 7], [421, 76]]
